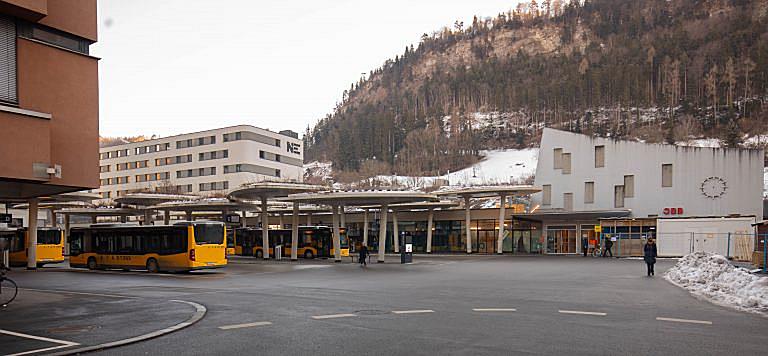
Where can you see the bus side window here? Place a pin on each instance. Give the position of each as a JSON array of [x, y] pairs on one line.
[[76, 243]]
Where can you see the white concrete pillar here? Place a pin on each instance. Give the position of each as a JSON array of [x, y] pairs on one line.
[[383, 233], [264, 228], [66, 233], [365, 227], [147, 217], [395, 232], [343, 217], [167, 217], [468, 223], [309, 218], [243, 223], [32, 234], [295, 232], [502, 208], [54, 222], [336, 234], [282, 220], [430, 222]]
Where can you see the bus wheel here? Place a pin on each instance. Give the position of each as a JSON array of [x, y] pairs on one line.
[[259, 254], [92, 263], [309, 255], [152, 266]]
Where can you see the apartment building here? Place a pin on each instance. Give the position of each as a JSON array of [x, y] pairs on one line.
[[201, 163], [49, 112]]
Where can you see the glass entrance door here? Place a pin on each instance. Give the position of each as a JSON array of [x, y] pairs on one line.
[[561, 239]]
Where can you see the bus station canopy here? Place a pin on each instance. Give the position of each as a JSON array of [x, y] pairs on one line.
[[361, 197], [210, 204], [490, 191], [262, 190], [56, 205], [99, 211], [424, 205], [149, 199], [63, 198]]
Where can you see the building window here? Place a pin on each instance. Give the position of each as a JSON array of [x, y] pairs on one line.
[[206, 156], [666, 175], [200, 141], [251, 136], [566, 157], [204, 187], [589, 192], [599, 156], [546, 194], [106, 195], [568, 201], [629, 186], [618, 196], [104, 169], [557, 158], [8, 91]]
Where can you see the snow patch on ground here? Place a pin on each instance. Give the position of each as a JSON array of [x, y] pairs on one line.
[[713, 278], [322, 170]]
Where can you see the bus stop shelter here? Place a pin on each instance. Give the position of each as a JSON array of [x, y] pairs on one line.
[[263, 191], [143, 201], [221, 206], [501, 191], [380, 198]]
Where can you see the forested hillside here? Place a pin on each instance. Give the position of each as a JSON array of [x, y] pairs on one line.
[[654, 70]]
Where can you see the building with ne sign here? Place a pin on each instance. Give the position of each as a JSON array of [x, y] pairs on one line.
[[202, 162], [49, 112], [580, 174]]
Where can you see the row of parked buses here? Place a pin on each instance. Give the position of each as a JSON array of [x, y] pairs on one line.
[[50, 245], [183, 246], [313, 242]]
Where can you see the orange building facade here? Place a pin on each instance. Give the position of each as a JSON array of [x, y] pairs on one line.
[[49, 111]]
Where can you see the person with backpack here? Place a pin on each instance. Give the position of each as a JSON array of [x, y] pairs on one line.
[[363, 256], [608, 246]]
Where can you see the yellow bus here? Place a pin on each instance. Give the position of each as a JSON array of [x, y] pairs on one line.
[[183, 246], [50, 246], [314, 241]]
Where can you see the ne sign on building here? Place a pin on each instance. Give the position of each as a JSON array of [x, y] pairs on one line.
[[201, 162], [583, 173]]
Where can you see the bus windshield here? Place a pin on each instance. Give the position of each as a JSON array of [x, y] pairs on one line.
[[209, 234], [48, 237]]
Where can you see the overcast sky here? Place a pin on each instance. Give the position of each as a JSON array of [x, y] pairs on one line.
[[176, 66]]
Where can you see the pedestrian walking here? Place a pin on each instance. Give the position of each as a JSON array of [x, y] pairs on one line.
[[649, 255], [363, 256], [584, 245], [608, 245]]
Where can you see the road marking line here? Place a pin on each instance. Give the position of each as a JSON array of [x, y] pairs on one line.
[[62, 343], [247, 325], [494, 309], [685, 320], [332, 316], [79, 293], [418, 311], [581, 312]]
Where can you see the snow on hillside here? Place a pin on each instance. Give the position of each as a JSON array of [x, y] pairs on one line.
[[713, 278], [497, 167]]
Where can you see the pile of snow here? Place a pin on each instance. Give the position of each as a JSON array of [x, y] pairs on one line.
[[712, 277], [322, 170]]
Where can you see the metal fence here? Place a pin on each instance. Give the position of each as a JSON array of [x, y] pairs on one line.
[[737, 246]]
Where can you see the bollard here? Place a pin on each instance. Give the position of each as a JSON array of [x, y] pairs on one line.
[[728, 249]]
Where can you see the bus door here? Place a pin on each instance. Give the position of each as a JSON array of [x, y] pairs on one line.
[[248, 242]]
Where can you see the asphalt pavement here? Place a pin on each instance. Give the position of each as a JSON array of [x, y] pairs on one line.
[[438, 305]]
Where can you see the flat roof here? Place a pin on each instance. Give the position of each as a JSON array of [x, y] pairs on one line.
[[215, 204], [489, 191], [147, 199], [573, 215], [361, 197], [256, 191], [152, 140]]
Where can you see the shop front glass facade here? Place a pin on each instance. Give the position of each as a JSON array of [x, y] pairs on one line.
[[561, 239]]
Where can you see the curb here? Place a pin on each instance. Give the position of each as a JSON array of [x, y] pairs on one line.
[[200, 311]]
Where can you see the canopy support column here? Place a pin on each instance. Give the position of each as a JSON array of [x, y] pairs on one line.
[[468, 223], [295, 232], [430, 221], [383, 233], [167, 217], [502, 207], [147, 217], [54, 221], [282, 220], [343, 216], [365, 227], [395, 232], [309, 218], [264, 228], [32, 233], [243, 223], [336, 234], [66, 233], [189, 215]]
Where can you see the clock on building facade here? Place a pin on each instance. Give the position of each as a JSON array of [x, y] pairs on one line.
[[713, 187]]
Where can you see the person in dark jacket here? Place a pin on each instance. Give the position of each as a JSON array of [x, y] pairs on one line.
[[608, 245], [363, 257], [649, 255], [584, 245]]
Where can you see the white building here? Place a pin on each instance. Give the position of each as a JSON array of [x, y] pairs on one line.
[[202, 162], [583, 173]]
